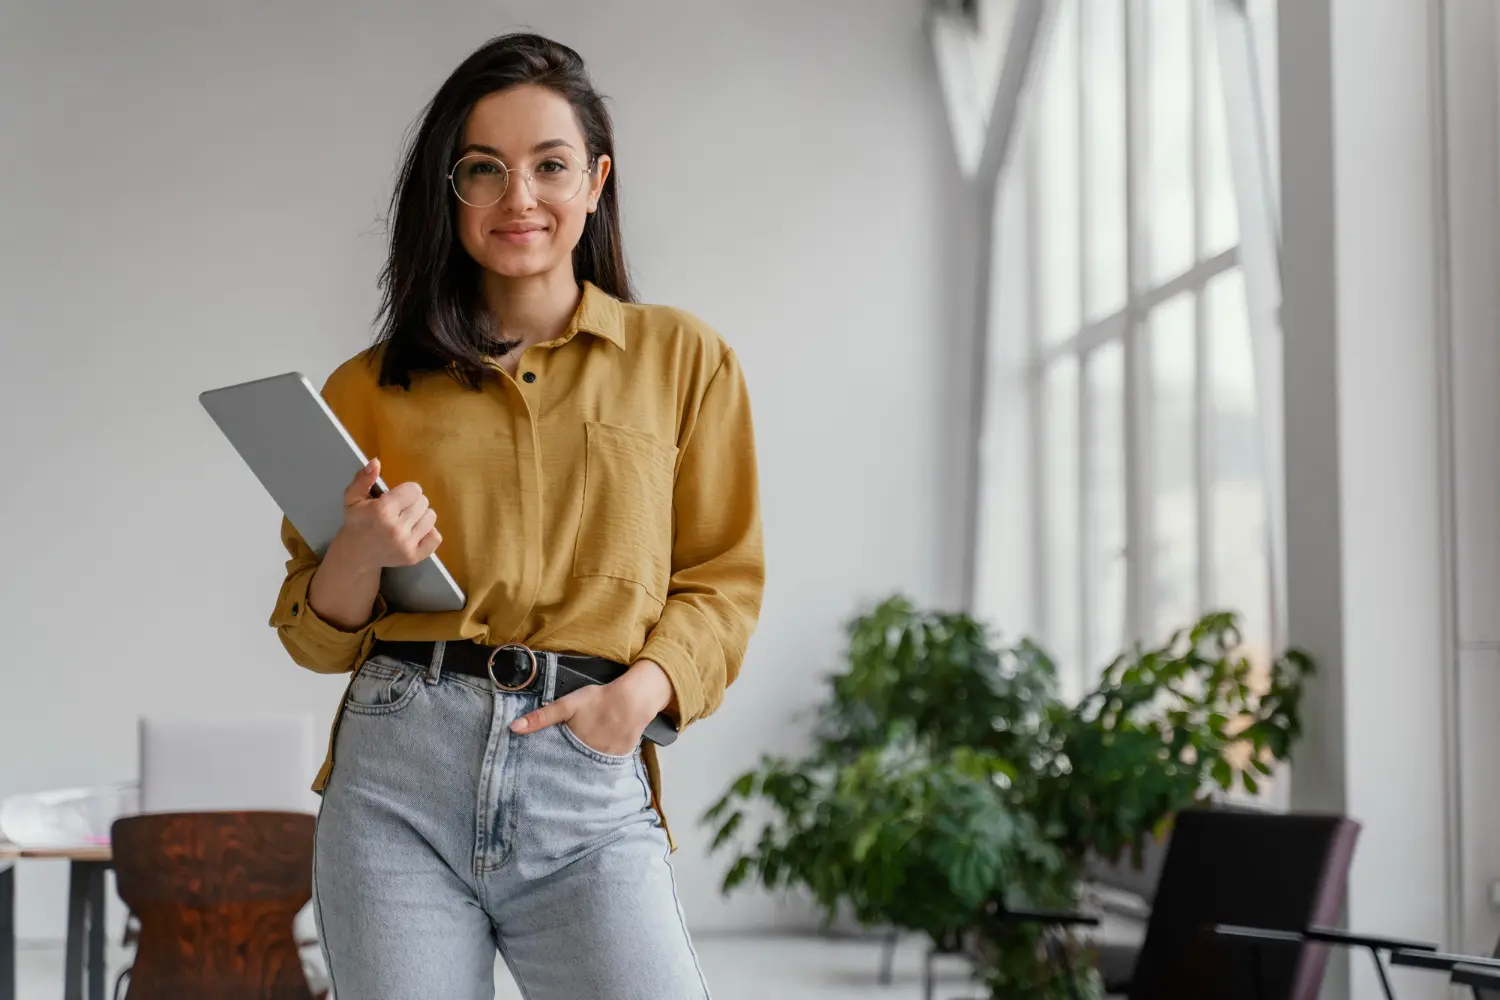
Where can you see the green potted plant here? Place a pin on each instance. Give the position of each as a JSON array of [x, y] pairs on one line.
[[947, 774]]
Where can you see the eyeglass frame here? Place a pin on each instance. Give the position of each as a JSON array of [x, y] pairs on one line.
[[525, 172]]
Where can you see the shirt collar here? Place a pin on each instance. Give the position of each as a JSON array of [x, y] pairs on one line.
[[599, 313]]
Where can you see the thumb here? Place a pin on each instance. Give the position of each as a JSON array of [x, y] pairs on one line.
[[364, 481], [560, 710]]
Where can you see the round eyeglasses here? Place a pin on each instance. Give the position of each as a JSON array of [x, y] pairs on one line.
[[481, 180]]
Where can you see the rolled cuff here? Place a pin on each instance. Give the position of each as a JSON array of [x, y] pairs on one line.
[[688, 696], [313, 642]]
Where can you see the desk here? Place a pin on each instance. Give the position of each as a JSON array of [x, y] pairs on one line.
[[86, 896]]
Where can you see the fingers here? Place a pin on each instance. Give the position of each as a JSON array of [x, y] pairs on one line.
[[423, 539], [427, 546], [396, 528], [412, 515], [560, 710], [402, 508], [363, 482], [400, 498], [423, 524], [407, 523]]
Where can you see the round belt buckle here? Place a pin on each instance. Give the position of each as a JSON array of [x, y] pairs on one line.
[[490, 666]]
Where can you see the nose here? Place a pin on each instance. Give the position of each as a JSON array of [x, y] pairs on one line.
[[518, 196]]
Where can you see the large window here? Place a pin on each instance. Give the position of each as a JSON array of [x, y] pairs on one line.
[[1121, 298]]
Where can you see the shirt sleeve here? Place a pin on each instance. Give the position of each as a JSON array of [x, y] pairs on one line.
[[313, 642], [718, 559]]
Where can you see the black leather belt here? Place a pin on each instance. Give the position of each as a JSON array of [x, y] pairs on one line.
[[521, 670]]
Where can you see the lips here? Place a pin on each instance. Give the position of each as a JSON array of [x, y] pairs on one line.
[[527, 234]]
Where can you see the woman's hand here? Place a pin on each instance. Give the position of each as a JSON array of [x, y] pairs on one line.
[[610, 718], [395, 529], [391, 530]]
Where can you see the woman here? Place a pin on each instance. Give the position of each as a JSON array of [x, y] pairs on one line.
[[593, 464]]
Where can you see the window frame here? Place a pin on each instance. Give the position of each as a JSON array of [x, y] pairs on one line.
[[1226, 26]]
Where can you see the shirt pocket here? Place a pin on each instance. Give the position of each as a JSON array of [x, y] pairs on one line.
[[625, 531]]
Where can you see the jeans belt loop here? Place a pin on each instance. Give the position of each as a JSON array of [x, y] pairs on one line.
[[549, 677], [435, 668]]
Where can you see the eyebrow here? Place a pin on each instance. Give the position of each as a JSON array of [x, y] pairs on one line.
[[541, 147]]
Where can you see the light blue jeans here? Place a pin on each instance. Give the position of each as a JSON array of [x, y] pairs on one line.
[[444, 836]]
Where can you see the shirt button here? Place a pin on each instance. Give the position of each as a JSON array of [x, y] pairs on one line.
[[296, 608], [529, 377]]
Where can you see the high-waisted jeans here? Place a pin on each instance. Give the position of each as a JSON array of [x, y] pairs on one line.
[[445, 837]]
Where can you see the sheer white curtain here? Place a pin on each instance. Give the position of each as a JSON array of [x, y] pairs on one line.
[[1129, 462]]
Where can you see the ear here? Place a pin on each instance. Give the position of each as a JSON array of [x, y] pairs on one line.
[[596, 182]]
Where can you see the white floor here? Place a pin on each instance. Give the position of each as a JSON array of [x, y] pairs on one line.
[[738, 968]]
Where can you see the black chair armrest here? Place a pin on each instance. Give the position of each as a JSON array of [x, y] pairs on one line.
[[1325, 935], [1029, 915], [1332, 935], [1257, 934], [1337, 938], [1475, 976], [1059, 918], [1440, 961]]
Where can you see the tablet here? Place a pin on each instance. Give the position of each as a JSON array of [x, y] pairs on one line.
[[303, 456]]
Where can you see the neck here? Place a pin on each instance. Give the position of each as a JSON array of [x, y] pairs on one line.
[[531, 310]]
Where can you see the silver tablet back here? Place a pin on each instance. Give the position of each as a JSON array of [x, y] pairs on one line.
[[303, 456]]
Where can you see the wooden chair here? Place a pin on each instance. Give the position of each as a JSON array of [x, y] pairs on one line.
[[216, 894]]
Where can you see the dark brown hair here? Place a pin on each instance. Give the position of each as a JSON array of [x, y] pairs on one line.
[[433, 313]]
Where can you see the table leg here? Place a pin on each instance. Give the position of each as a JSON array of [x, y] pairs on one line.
[[96, 930], [78, 893], [7, 931]]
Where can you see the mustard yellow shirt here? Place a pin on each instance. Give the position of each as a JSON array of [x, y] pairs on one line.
[[604, 502]]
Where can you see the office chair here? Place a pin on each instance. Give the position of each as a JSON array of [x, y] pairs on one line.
[[1276, 870], [1123, 893], [1280, 871]]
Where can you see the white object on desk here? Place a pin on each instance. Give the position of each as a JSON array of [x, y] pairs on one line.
[[65, 817]]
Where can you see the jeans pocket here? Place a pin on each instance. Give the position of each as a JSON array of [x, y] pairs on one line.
[[381, 687], [612, 759]]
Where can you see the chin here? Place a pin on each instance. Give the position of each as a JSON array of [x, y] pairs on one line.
[[517, 265]]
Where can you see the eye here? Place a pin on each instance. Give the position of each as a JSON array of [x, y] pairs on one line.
[[480, 168], [553, 166]]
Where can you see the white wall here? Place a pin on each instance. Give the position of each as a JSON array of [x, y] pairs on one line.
[[191, 195], [1395, 669], [1389, 155], [1473, 134]]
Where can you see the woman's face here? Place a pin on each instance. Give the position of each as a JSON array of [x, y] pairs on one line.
[[533, 227]]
